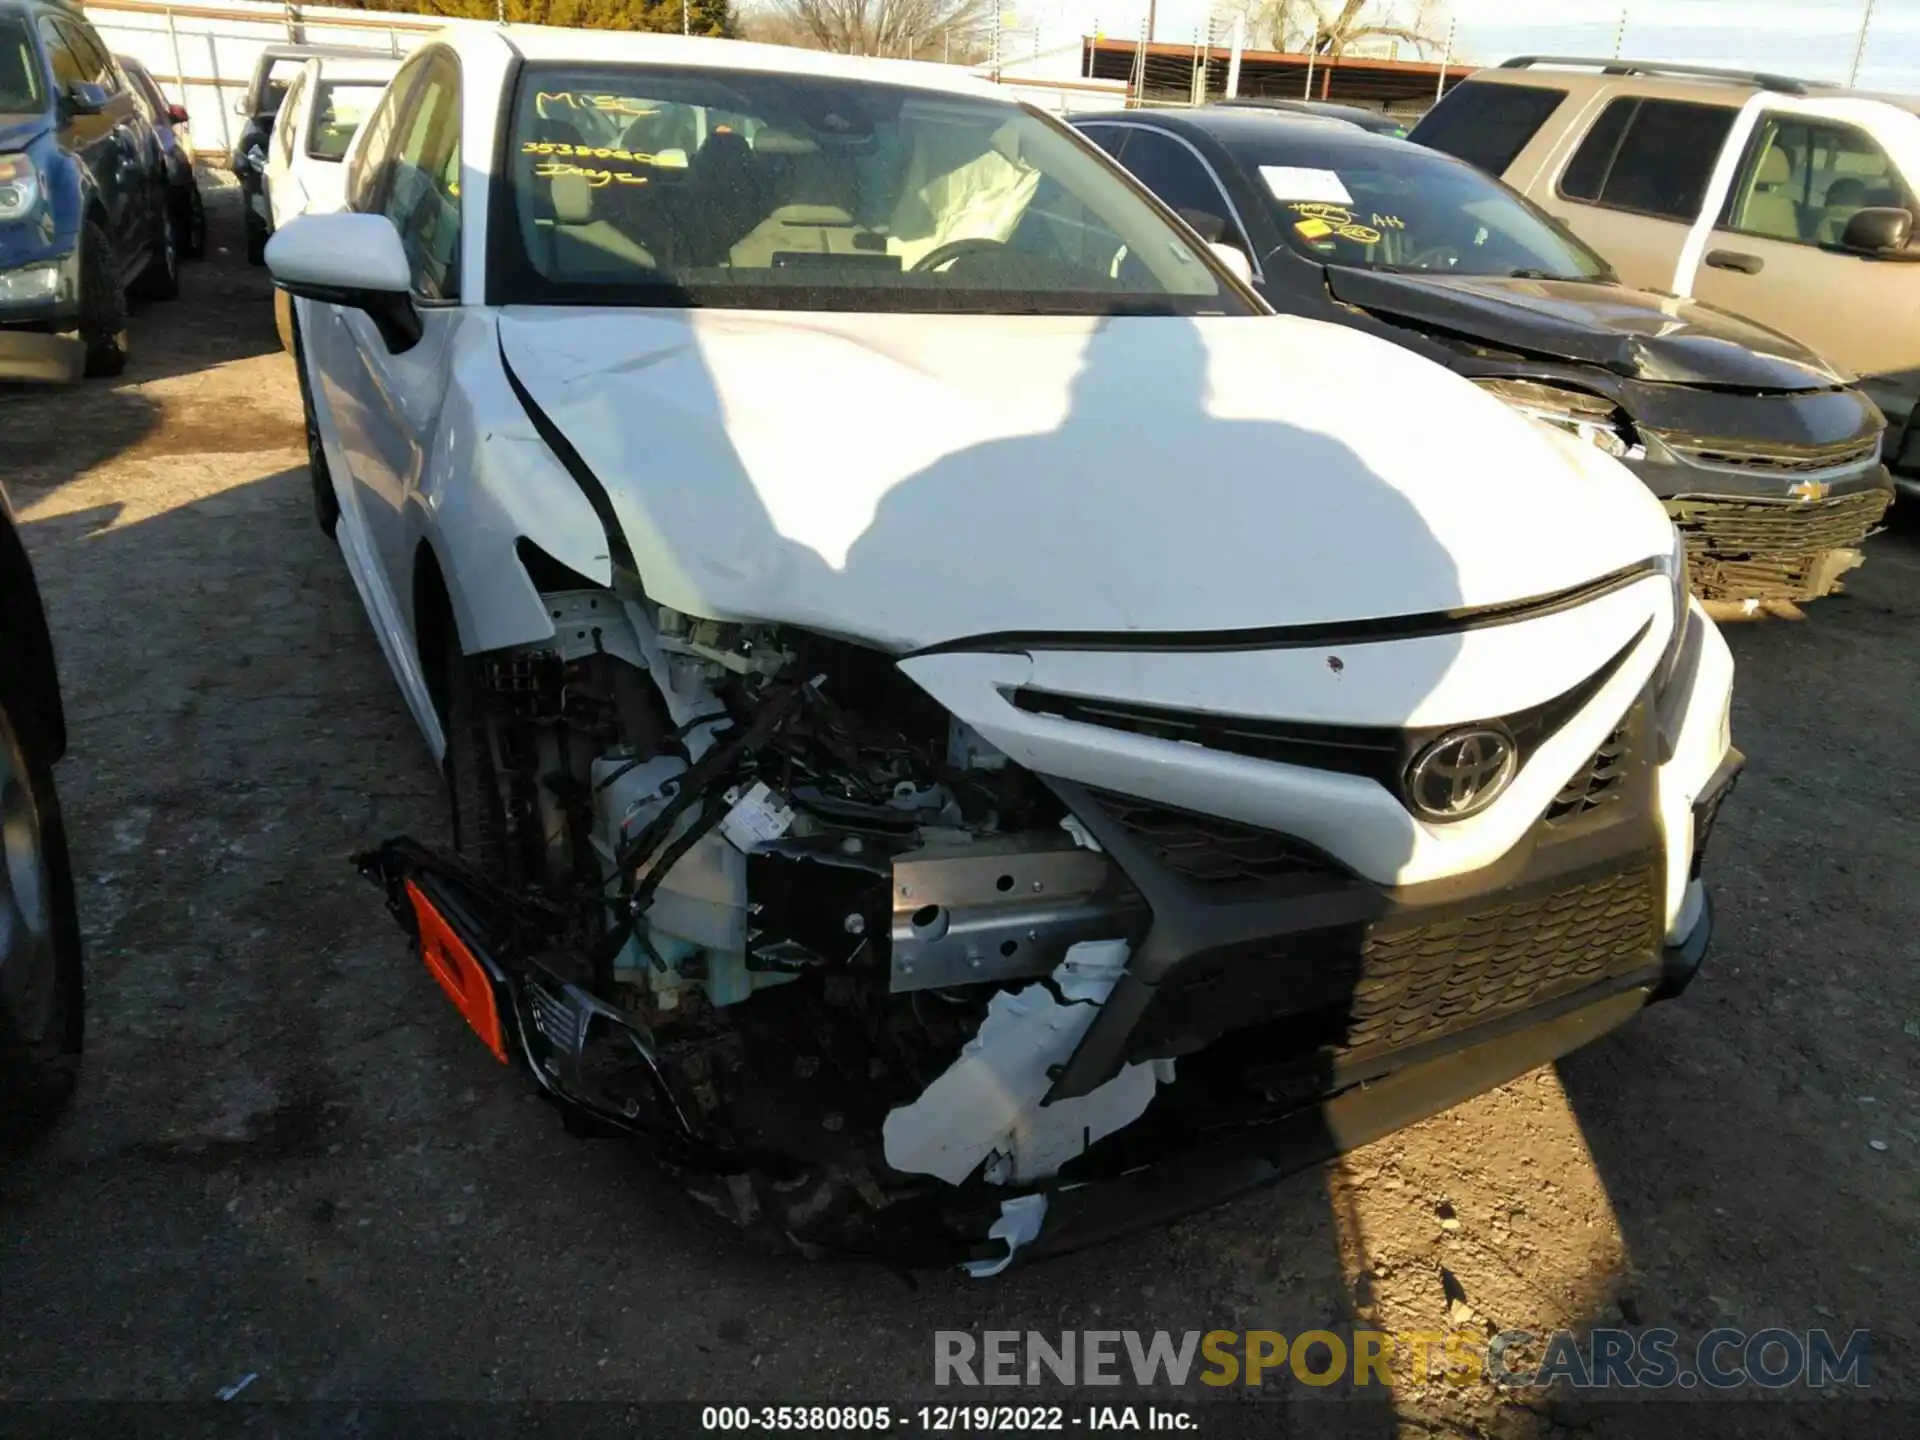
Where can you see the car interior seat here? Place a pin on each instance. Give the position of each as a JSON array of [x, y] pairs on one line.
[[1770, 207], [581, 242], [812, 204]]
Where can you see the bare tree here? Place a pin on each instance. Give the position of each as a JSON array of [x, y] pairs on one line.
[[1329, 27], [918, 29]]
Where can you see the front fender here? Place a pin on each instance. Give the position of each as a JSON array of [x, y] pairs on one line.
[[490, 482]]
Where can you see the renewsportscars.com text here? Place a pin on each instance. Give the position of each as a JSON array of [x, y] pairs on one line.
[[1601, 1359]]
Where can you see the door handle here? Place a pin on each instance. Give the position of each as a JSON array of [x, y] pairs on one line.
[[1735, 260]]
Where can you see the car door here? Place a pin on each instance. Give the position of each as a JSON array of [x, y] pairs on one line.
[[1637, 180], [1776, 256], [285, 197], [132, 165], [386, 405]]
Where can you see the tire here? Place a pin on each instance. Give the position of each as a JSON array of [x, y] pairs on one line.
[[42, 999], [473, 789], [256, 241], [190, 223], [103, 305], [161, 279], [326, 504]]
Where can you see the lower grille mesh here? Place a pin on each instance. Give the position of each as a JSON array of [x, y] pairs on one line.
[[1424, 983], [1600, 780], [1768, 549], [1209, 851]]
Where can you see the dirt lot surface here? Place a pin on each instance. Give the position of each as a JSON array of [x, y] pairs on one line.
[[290, 1160]]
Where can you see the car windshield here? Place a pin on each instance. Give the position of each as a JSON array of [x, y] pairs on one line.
[[339, 107], [19, 69], [1397, 207], [693, 187]]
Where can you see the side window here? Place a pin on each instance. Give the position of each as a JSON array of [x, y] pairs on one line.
[[423, 192], [366, 177], [287, 121], [95, 64], [1180, 179], [1653, 157], [1802, 180], [1487, 125], [66, 65]]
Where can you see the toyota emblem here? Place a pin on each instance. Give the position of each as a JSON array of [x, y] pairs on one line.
[[1461, 773]]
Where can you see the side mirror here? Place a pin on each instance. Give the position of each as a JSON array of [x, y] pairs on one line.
[[86, 98], [1878, 230], [357, 261], [1235, 259], [177, 115]]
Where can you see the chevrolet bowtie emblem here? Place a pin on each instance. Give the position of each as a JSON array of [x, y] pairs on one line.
[[1809, 490]]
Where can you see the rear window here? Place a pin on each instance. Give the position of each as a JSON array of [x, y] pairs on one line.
[[1487, 125], [1653, 157], [19, 69]]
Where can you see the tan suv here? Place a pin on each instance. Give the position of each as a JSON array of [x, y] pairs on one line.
[[1779, 199]]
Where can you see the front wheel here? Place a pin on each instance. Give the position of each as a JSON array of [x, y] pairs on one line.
[[103, 305], [326, 504], [192, 223], [161, 279], [41, 1020]]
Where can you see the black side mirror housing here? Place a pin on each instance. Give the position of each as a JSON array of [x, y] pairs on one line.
[[1878, 230], [86, 98]]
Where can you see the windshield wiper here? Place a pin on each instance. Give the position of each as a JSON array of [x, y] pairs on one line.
[[1536, 274]]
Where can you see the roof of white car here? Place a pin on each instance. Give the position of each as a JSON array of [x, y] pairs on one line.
[[626, 47]]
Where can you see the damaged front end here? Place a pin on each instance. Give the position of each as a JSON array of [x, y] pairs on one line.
[[867, 986], [1774, 494], [771, 910]]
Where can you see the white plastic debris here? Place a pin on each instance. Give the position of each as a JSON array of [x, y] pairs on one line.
[[1082, 836], [756, 818], [1019, 1223], [227, 1392], [986, 1105]]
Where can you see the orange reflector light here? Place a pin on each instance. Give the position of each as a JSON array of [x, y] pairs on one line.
[[459, 973]]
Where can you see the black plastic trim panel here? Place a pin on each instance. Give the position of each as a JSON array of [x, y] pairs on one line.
[[1292, 637]]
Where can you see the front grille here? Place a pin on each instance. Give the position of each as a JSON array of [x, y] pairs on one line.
[[1209, 851], [1600, 781], [1769, 549], [1434, 980], [1778, 460]]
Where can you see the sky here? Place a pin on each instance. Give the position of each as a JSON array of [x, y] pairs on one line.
[[1813, 39]]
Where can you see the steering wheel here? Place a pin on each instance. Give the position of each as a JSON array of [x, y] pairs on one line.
[[946, 254], [1448, 255]]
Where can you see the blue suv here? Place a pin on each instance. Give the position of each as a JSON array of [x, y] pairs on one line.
[[84, 218]]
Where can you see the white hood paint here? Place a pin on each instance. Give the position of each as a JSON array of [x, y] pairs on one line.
[[912, 479]]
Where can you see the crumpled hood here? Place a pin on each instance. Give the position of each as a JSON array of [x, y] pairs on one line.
[[906, 480], [1639, 333]]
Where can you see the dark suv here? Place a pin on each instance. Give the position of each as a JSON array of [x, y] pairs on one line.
[[83, 199]]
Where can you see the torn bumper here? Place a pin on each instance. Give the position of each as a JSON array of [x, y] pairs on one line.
[[1768, 522]]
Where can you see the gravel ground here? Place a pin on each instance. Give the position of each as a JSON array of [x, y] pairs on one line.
[[290, 1160]]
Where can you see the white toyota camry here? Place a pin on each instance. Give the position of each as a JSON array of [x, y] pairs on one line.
[[963, 732]]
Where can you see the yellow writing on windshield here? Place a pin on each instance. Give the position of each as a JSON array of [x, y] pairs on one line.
[[1323, 219], [606, 104], [596, 179], [588, 152]]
